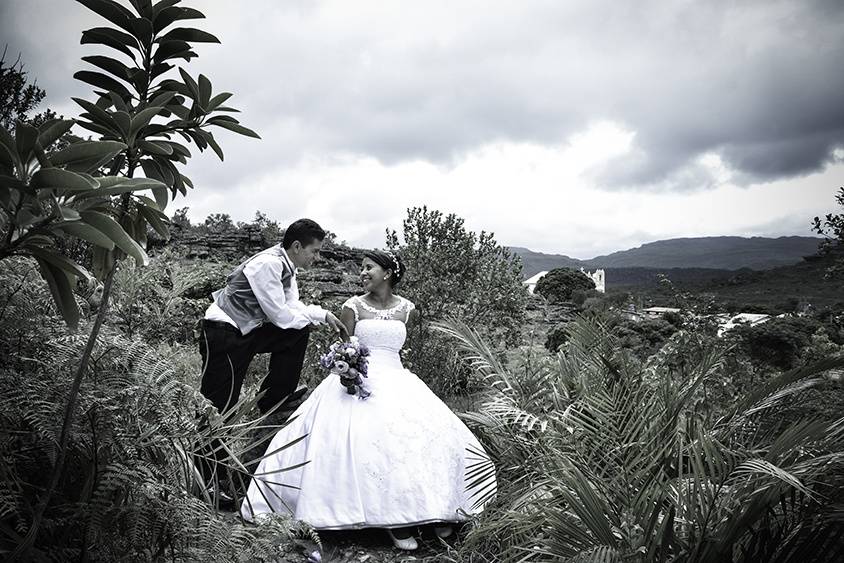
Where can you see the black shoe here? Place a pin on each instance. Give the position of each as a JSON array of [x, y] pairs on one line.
[[295, 396], [285, 408], [222, 501]]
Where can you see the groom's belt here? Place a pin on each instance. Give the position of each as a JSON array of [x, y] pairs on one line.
[[220, 325]]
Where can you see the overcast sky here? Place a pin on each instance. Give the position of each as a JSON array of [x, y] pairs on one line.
[[570, 127]]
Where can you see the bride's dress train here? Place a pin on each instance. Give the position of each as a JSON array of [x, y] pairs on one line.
[[397, 458]]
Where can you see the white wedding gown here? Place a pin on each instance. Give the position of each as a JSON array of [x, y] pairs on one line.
[[397, 458]]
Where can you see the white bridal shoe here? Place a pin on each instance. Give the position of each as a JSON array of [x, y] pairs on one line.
[[443, 531], [407, 544]]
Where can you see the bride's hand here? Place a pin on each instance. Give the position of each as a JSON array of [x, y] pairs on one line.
[[337, 326]]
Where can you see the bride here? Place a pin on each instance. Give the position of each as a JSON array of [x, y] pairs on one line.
[[394, 460]]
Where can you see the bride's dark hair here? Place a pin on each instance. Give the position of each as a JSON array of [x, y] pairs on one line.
[[389, 261]]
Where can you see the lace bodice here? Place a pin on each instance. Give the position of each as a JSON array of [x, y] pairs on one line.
[[381, 329]]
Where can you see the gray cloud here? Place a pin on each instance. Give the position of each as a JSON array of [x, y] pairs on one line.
[[757, 83]]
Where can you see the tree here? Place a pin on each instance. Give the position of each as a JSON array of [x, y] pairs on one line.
[[219, 222], [137, 113], [456, 273], [559, 284], [832, 228], [17, 98]]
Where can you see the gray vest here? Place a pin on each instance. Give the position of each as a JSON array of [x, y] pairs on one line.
[[238, 300]]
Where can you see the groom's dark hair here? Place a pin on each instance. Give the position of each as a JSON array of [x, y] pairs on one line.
[[303, 230]]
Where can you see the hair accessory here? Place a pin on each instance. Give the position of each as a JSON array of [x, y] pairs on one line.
[[395, 261]]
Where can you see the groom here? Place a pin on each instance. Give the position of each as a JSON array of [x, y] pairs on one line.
[[259, 312]]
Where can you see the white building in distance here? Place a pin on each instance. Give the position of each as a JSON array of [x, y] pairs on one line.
[[597, 278], [533, 280]]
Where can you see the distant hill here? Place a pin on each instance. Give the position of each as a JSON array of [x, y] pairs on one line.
[[535, 262], [723, 253], [716, 253], [775, 290]]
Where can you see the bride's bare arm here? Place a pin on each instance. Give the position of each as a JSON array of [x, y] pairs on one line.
[[347, 317]]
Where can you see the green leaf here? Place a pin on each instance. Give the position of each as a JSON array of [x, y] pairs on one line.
[[193, 87], [100, 80], [115, 185], [178, 148], [154, 169], [25, 138], [168, 15], [123, 121], [57, 260], [161, 197], [110, 65], [144, 8], [154, 218], [103, 261], [118, 40], [159, 68], [112, 11], [62, 292], [142, 29], [162, 99], [217, 100], [236, 128], [172, 50], [117, 102], [64, 180], [87, 152], [152, 147], [98, 115], [116, 233], [13, 183], [180, 111], [220, 118], [8, 152], [189, 34], [204, 91], [161, 5], [213, 144], [170, 171], [52, 130], [69, 214], [142, 119]]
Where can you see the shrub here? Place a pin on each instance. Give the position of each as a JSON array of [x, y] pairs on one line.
[[559, 284], [618, 460], [453, 272]]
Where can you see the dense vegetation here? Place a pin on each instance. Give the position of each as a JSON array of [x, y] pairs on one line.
[[624, 440]]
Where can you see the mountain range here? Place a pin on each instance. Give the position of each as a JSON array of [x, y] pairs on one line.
[[720, 253]]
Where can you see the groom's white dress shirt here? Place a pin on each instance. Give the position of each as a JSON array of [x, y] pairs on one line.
[[281, 304]]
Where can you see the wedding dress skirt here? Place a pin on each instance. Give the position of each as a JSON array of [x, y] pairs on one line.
[[397, 458]]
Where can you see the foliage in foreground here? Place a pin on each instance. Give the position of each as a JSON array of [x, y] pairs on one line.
[[601, 457], [130, 489]]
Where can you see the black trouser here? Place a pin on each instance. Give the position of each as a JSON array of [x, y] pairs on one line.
[[226, 355]]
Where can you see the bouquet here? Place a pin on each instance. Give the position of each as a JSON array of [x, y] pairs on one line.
[[348, 360]]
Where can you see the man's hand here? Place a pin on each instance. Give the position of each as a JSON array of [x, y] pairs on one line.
[[337, 326]]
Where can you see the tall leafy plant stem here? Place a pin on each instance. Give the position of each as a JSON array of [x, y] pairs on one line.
[[28, 540]]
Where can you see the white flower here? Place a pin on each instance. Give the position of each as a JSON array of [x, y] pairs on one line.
[[351, 352], [353, 339], [341, 367]]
